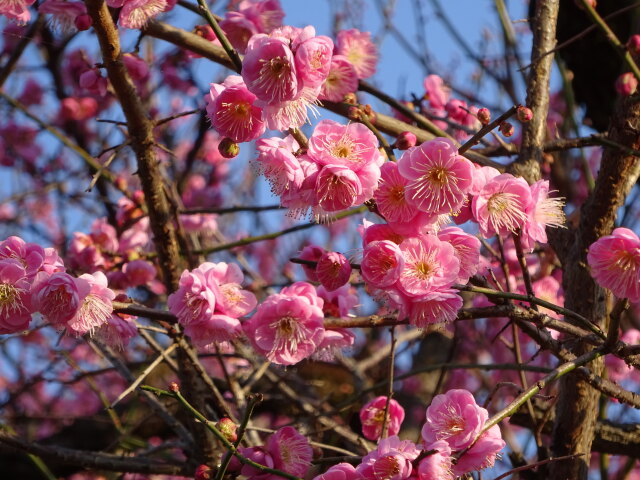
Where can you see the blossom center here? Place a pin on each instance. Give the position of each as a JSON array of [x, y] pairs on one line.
[[439, 176], [423, 270], [386, 468], [626, 260], [8, 296]]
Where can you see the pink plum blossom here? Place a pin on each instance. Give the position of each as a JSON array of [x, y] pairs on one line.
[[455, 418], [290, 451], [390, 461], [117, 331], [438, 306], [353, 145], [64, 13], [429, 264], [96, 307], [438, 465], [311, 253], [338, 302], [14, 297], [466, 249], [313, 60], [29, 255], [615, 263], [195, 300], [439, 178], [232, 111], [543, 211], [337, 188], [287, 327], [17, 10], [341, 79], [391, 197], [136, 13], [333, 270], [277, 162], [340, 471], [501, 205], [57, 297], [238, 29], [268, 69], [358, 48], [382, 263], [482, 454], [436, 92], [372, 417]]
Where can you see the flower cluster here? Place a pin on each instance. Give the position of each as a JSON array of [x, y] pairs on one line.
[[210, 301], [34, 280]]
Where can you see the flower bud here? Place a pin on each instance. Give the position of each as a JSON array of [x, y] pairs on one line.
[[203, 472], [633, 44], [626, 84], [524, 114], [506, 129], [173, 387], [351, 98], [354, 113], [484, 116], [83, 22], [228, 429], [405, 141], [228, 148]]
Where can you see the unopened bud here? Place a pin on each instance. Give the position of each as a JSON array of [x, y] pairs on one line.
[[228, 148], [120, 183], [354, 113], [405, 141], [173, 386], [633, 44], [484, 116], [203, 472], [524, 114], [350, 98], [506, 129], [626, 84], [83, 22], [228, 428]]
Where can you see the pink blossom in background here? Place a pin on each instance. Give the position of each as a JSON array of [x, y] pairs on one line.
[[117, 331], [359, 50], [390, 461], [217, 328], [290, 451], [287, 327], [335, 341], [333, 270], [14, 297], [436, 92], [615, 263], [341, 79], [17, 10], [501, 205], [29, 255], [372, 417], [482, 454], [437, 465], [139, 272], [339, 302], [64, 13], [617, 369], [340, 471], [266, 15], [238, 29], [544, 211], [136, 13], [455, 418], [96, 307], [439, 178]]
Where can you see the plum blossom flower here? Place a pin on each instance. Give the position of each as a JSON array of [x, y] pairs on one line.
[[390, 195], [287, 327], [290, 451], [194, 301], [268, 69], [14, 297], [17, 10], [439, 306], [333, 270], [615, 263], [117, 331], [372, 417], [382, 263], [64, 13], [313, 60], [455, 418], [341, 79], [544, 211], [340, 471], [439, 178], [482, 454], [337, 188], [232, 110], [429, 264], [390, 461], [466, 249], [96, 307], [501, 206], [353, 145], [57, 297], [136, 13], [278, 164], [358, 48], [29, 255], [437, 465]]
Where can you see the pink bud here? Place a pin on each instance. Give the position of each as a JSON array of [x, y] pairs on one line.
[[228, 148], [484, 116], [83, 22], [626, 84], [350, 98], [173, 386], [633, 44], [405, 141], [228, 428], [203, 472], [524, 114], [506, 129]]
